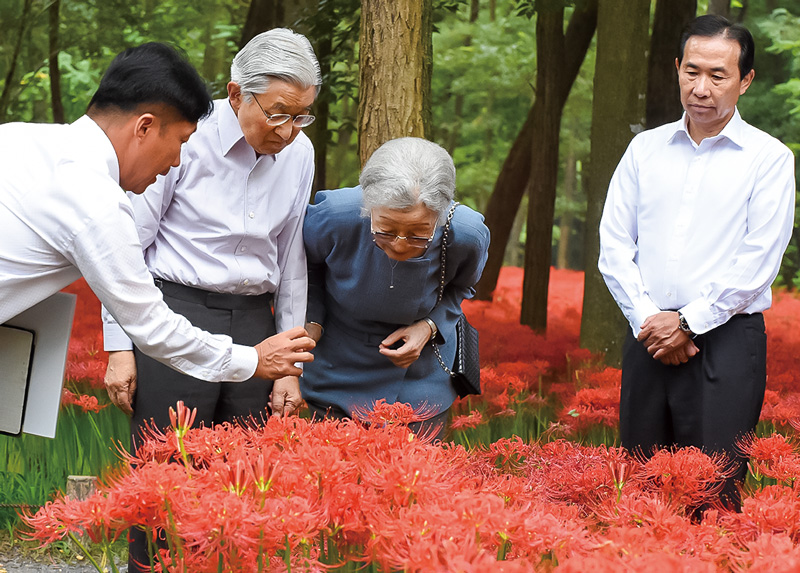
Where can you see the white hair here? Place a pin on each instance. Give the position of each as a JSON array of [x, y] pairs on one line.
[[404, 172], [278, 54]]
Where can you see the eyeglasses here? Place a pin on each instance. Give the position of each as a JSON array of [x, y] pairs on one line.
[[276, 119], [385, 239]]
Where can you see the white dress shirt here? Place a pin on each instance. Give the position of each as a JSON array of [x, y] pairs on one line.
[[697, 228], [62, 213], [228, 221]]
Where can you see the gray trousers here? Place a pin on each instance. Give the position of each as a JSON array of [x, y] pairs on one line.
[[246, 319]]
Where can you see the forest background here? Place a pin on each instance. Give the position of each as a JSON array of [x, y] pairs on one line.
[[535, 99]]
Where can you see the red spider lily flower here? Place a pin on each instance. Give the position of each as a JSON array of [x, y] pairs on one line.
[[181, 418], [773, 456], [771, 553], [382, 412], [773, 510], [686, 476], [84, 402], [474, 420]]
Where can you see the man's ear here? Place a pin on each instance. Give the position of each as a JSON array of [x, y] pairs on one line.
[[235, 96], [745, 82], [145, 124]]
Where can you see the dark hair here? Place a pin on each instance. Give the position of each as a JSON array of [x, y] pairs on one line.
[[710, 26], [153, 73]]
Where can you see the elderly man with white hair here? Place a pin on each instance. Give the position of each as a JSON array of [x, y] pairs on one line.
[[222, 237], [222, 234]]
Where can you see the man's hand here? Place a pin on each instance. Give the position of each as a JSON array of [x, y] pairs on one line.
[[661, 334], [278, 354], [120, 379], [414, 338], [680, 355], [285, 398]]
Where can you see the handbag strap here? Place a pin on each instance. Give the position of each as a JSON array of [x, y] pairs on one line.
[[445, 236]]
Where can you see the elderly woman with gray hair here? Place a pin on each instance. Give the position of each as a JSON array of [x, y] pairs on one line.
[[374, 271]]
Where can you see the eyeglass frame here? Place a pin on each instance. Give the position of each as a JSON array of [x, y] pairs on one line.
[[286, 115], [392, 238]]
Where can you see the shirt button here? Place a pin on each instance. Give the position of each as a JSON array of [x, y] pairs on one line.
[[246, 282], [251, 214], [243, 249], [669, 294], [235, 376]]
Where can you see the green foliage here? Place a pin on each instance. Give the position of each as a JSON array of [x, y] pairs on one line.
[[773, 101], [482, 90], [32, 467]]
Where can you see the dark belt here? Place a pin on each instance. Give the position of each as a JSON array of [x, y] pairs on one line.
[[209, 299]]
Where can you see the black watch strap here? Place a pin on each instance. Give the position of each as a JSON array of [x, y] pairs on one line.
[[684, 326]]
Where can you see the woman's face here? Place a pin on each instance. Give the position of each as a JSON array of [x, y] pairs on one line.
[[415, 224]]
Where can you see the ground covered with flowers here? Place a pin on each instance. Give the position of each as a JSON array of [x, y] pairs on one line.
[[529, 478]]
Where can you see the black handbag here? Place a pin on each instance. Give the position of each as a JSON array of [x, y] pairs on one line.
[[465, 375]]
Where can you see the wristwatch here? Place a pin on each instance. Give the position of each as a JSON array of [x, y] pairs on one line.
[[434, 330], [684, 326]]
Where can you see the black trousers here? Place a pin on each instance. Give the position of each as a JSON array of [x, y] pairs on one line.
[[246, 319], [709, 402]]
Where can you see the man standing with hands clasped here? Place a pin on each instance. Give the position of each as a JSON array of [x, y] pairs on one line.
[[698, 215]]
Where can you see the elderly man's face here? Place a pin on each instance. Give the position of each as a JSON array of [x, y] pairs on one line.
[[710, 84], [280, 97]]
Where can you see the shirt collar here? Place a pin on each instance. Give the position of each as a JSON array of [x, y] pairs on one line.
[[733, 130], [230, 132], [96, 145]]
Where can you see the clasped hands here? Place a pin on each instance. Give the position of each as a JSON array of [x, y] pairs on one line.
[[665, 341]]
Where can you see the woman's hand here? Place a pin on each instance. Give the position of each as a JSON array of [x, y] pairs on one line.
[[414, 338]]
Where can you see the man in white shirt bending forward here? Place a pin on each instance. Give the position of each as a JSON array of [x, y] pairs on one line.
[[222, 235], [63, 214], [698, 215]]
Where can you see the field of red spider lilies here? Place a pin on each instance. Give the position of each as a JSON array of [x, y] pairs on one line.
[[529, 478]]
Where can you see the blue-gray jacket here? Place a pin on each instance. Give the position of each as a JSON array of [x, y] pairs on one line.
[[349, 294]]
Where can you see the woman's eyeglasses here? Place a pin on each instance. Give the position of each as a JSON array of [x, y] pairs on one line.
[[386, 239]]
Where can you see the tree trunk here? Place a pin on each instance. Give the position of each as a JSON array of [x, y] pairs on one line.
[[565, 226], [55, 72], [513, 178], [543, 178], [663, 97], [262, 15], [617, 114], [395, 62], [5, 97], [515, 252], [719, 7]]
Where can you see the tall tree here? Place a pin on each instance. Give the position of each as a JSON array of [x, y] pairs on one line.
[[720, 7], [54, 21], [261, 16], [396, 53], [530, 151], [5, 95], [663, 99], [617, 115]]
